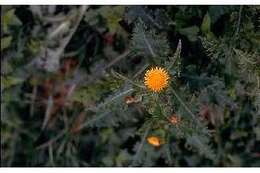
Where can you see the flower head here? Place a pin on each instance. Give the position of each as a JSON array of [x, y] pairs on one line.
[[156, 79], [155, 141]]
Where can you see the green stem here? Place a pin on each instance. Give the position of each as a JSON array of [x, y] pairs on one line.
[[141, 144], [51, 156], [239, 19], [127, 79]]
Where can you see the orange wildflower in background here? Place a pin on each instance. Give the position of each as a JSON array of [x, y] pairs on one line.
[[155, 141], [156, 79]]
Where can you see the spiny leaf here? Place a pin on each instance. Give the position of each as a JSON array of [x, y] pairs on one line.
[[201, 144], [149, 43]]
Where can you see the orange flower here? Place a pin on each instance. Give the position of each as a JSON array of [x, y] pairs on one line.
[[155, 141], [156, 79]]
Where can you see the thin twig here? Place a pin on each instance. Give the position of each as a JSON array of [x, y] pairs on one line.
[[73, 30], [239, 19], [115, 97], [53, 19], [140, 71], [115, 60], [92, 121], [34, 93], [51, 155], [183, 104], [46, 144], [176, 55], [126, 79], [47, 112]]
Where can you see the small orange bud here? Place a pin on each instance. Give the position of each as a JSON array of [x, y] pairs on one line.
[[129, 100], [154, 141], [174, 119]]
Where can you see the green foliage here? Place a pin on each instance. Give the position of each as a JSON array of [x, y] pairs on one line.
[[113, 16], [93, 104], [9, 81], [110, 15], [206, 26], [190, 32], [216, 12], [5, 42], [10, 19]]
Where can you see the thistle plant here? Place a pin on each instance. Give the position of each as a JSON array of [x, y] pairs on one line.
[[130, 86]]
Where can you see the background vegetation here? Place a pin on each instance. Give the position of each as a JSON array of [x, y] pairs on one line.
[[72, 91]]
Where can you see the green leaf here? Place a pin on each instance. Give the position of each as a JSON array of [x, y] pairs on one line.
[[112, 15], [5, 42], [190, 32], [10, 81], [10, 18], [34, 46], [106, 134], [205, 26]]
